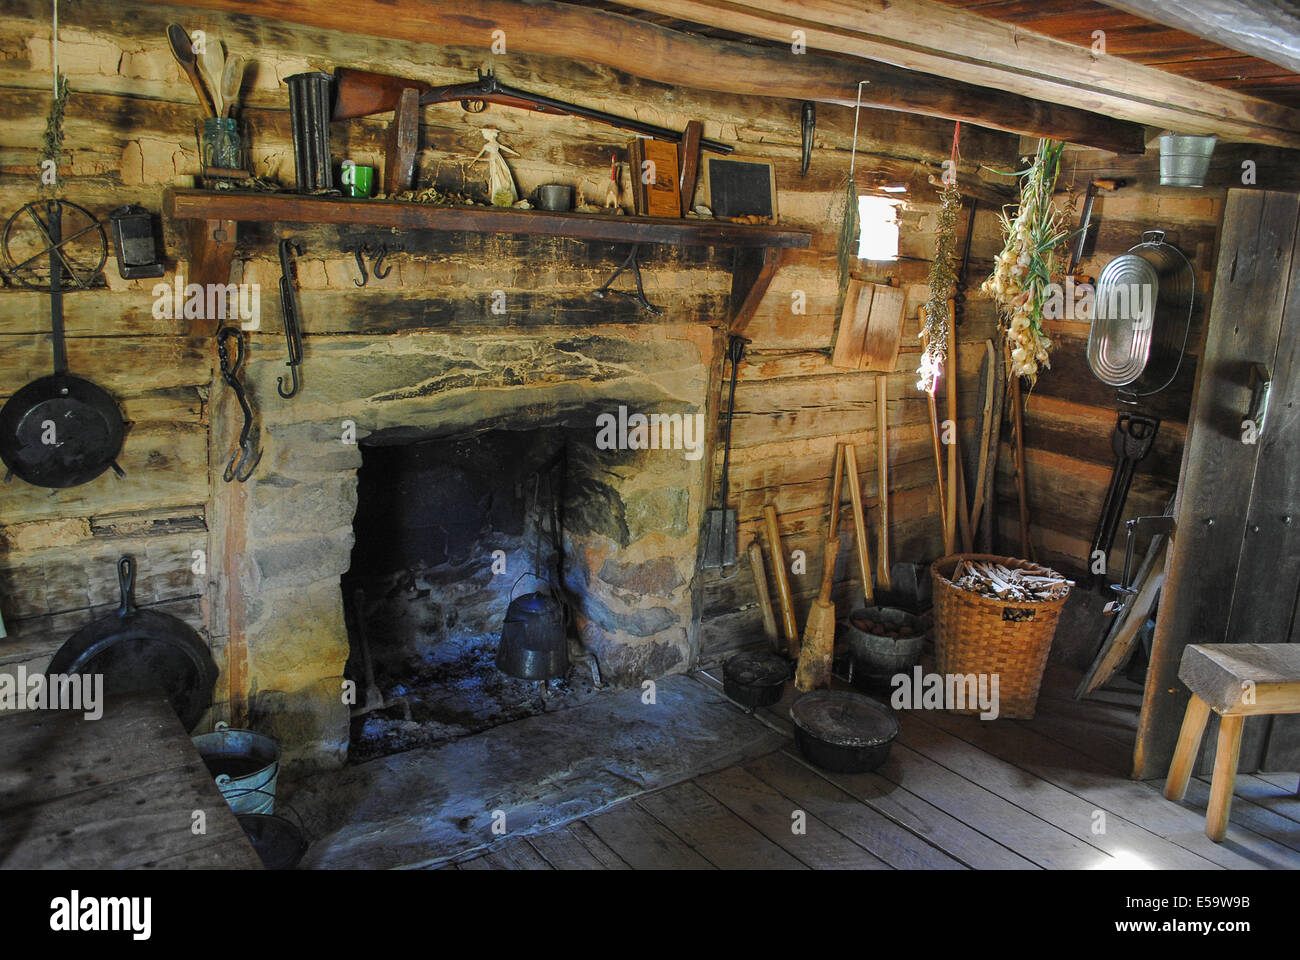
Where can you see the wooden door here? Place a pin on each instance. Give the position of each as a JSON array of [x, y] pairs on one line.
[[1234, 561]]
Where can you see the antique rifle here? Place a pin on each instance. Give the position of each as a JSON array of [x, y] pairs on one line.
[[360, 93]]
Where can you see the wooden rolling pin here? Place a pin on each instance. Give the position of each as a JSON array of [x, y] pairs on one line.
[[782, 581], [764, 595]]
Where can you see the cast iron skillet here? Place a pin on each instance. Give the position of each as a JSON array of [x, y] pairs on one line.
[[141, 650], [60, 431]]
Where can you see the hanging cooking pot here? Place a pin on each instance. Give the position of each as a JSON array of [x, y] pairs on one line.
[[142, 650], [59, 431], [534, 640], [1141, 318]]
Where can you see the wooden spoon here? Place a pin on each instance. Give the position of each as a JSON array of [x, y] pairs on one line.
[[183, 51], [212, 65], [232, 78]]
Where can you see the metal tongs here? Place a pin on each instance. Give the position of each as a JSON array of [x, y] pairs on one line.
[[245, 460], [292, 323]]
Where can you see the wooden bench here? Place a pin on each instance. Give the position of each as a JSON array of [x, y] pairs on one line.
[[1235, 680]]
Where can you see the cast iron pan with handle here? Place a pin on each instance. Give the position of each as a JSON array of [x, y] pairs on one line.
[[60, 431], [142, 650]]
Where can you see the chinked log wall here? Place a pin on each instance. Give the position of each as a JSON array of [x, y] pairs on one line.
[[129, 134]]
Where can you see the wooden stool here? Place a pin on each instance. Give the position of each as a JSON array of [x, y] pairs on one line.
[[1235, 680]]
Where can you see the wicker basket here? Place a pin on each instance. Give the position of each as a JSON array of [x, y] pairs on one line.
[[975, 634]]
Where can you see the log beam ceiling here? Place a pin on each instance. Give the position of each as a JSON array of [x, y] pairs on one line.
[[924, 36], [1268, 29], [662, 55]]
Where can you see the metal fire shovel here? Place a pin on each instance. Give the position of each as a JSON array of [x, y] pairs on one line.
[[720, 522]]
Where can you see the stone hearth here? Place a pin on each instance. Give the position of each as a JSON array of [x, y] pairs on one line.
[[632, 517]]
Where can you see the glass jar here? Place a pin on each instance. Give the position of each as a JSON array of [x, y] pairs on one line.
[[220, 144]]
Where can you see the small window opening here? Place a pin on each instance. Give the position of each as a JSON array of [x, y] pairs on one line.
[[879, 237]]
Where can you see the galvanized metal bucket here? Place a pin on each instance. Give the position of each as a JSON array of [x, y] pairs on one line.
[[1184, 160], [255, 758]]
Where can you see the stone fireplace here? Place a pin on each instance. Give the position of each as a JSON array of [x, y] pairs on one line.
[[462, 406]]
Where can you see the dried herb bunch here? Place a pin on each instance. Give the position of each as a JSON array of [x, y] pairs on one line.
[[943, 283], [52, 141], [1028, 263]]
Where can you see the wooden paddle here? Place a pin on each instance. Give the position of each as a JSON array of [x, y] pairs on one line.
[[782, 581]]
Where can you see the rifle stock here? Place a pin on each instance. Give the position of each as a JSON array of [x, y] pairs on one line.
[[361, 93]]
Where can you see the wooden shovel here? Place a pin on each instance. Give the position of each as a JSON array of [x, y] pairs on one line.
[[954, 469], [782, 581]]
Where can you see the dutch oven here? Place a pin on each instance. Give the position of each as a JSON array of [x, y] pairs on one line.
[[755, 679], [842, 731]]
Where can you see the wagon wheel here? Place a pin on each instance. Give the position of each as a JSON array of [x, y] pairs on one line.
[[27, 248]]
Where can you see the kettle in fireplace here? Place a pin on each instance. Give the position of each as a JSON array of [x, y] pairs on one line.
[[534, 639]]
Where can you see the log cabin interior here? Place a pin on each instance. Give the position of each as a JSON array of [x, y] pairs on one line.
[[524, 434]]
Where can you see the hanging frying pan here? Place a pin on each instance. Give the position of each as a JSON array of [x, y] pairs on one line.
[[141, 650], [58, 431]]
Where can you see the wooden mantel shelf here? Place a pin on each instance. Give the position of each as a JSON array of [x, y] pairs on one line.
[[295, 208], [213, 218]]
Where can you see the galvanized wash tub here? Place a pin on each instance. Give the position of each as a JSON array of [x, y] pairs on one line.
[[1141, 317]]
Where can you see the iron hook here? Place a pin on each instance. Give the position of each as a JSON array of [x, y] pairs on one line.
[[361, 252], [383, 252]]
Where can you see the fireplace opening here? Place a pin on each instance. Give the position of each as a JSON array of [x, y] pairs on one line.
[[448, 532]]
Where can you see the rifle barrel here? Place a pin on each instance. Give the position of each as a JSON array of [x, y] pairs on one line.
[[463, 92]]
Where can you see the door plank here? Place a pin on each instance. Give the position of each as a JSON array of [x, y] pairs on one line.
[[1259, 229]]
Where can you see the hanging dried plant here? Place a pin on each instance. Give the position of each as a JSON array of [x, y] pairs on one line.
[[52, 140], [1028, 264], [943, 283]]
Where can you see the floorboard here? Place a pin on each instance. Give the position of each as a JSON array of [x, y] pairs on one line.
[[642, 841], [714, 832], [817, 845], [864, 825]]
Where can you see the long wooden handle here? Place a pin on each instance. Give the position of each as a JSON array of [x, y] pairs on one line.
[[859, 523], [828, 568], [1022, 491], [938, 461], [764, 596], [837, 485], [950, 391], [986, 432], [882, 471], [782, 580]]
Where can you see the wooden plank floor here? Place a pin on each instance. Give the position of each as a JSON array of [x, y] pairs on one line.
[[957, 793]]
